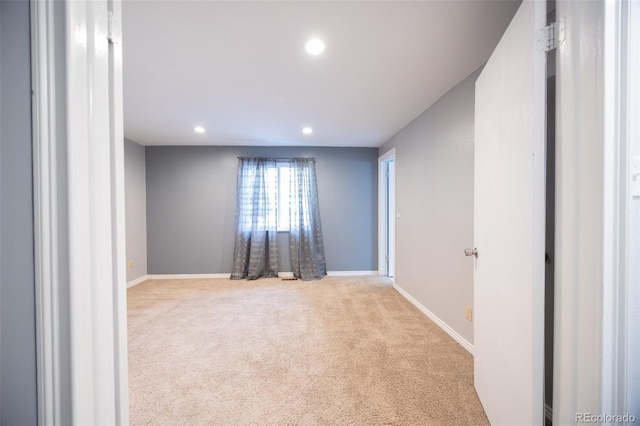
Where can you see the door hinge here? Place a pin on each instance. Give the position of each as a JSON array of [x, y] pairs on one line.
[[551, 36]]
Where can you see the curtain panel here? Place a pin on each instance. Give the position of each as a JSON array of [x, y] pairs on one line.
[[306, 246], [257, 203], [256, 246]]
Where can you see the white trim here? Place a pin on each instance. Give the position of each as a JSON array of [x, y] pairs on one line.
[[91, 279], [118, 234], [81, 355], [137, 281], [45, 188], [629, 372], [580, 211], [227, 275], [185, 276], [94, 209], [433, 317], [616, 197], [382, 210], [351, 273], [611, 220]]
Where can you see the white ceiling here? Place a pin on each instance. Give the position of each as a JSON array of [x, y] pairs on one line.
[[239, 68]]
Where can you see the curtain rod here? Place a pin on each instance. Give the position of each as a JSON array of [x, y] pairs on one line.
[[277, 159]]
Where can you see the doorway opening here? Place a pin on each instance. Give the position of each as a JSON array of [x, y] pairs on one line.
[[387, 214]]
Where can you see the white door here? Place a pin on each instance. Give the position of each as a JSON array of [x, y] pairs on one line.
[[391, 217], [509, 224]]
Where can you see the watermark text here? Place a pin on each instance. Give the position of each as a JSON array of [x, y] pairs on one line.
[[605, 418]]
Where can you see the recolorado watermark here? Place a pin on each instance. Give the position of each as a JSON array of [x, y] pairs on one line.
[[605, 418]]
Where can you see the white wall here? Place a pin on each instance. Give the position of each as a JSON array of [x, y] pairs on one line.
[[434, 199], [136, 209]]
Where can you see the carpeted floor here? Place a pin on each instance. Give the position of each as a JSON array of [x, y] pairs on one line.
[[339, 351]]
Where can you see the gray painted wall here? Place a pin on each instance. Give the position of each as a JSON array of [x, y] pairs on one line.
[[434, 198], [135, 187], [18, 404], [191, 195]]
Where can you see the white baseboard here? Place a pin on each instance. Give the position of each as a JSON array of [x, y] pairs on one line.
[[433, 317], [137, 281], [335, 274], [227, 275], [350, 273], [186, 276]]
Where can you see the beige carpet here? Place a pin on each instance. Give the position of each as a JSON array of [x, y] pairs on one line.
[[340, 351]]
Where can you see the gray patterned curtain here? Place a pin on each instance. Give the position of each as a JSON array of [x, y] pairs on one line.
[[305, 231], [256, 249]]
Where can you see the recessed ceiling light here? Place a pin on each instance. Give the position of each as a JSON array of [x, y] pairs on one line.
[[315, 46], [198, 129], [307, 130]]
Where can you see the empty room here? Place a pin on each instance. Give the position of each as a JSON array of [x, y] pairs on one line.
[[285, 164], [319, 212]]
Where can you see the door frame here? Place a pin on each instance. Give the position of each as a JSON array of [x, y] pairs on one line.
[[79, 234], [383, 213], [592, 160], [45, 192], [574, 388], [621, 65]]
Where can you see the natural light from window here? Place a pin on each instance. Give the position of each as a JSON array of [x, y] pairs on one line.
[[277, 199], [283, 196]]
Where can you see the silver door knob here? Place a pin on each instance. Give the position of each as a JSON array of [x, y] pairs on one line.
[[471, 252]]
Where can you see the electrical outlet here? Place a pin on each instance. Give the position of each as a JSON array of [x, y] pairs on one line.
[[468, 314], [130, 264]]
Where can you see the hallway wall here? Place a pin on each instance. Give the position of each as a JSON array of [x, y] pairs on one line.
[[434, 204]]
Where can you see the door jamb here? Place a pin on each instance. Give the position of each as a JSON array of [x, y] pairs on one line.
[[45, 194], [591, 229], [78, 212], [383, 213]]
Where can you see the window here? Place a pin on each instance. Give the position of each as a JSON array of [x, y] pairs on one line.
[[264, 196], [282, 214]]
